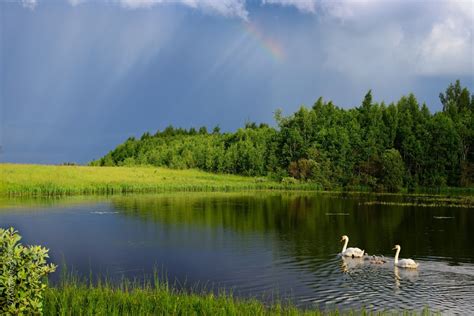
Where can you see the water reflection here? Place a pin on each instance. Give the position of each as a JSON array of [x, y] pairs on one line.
[[410, 275], [266, 244], [303, 221], [349, 264]]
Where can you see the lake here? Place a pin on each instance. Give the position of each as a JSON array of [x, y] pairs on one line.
[[267, 245]]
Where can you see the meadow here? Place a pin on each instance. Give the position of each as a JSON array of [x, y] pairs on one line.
[[49, 180], [29, 180]]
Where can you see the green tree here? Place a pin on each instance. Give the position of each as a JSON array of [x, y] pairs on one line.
[[329, 145], [392, 171]]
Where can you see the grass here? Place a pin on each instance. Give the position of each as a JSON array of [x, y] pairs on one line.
[[26, 180], [46, 180], [72, 297], [80, 299]]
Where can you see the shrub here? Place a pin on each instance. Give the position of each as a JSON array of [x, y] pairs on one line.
[[22, 270], [277, 175], [289, 181], [303, 169]]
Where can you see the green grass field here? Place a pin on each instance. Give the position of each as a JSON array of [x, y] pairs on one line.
[[29, 180]]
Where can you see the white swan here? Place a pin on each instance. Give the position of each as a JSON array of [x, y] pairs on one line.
[[404, 263], [350, 252]]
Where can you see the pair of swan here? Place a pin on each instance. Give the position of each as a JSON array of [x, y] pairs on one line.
[[358, 253]]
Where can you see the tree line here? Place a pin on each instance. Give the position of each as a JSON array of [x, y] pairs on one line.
[[384, 147]]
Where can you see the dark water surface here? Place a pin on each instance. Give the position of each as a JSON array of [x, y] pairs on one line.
[[266, 245]]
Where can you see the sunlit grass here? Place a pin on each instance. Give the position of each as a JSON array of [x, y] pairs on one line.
[[28, 180], [73, 297]]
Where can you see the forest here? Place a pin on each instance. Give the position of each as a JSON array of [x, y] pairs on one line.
[[382, 147]]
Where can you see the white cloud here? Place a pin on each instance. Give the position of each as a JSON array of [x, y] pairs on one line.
[[352, 8], [419, 38], [448, 49], [306, 6], [29, 4], [336, 8], [136, 4], [227, 8]]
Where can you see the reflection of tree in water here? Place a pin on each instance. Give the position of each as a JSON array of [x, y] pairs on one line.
[[310, 225]]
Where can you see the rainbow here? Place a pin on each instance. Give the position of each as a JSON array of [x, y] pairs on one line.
[[269, 44]]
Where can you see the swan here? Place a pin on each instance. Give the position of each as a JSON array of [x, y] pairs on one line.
[[350, 252], [377, 260], [404, 263]]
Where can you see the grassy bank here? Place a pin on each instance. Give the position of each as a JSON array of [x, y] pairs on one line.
[[29, 180], [76, 298], [107, 300], [23, 180]]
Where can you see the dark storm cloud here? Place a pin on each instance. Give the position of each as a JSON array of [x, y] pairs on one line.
[[79, 77]]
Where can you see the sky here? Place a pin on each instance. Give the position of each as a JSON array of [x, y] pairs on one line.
[[78, 77]]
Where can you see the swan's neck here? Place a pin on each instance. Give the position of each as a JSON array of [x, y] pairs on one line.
[[345, 245], [396, 255]]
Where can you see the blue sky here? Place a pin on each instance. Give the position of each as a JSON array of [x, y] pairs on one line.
[[78, 77]]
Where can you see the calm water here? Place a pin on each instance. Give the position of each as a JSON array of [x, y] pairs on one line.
[[264, 244]]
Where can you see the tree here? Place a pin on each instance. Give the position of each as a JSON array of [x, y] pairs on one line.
[[458, 104], [303, 169], [455, 99], [393, 170], [203, 130], [373, 144]]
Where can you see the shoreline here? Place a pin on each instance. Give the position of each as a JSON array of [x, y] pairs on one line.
[[29, 180], [74, 297]]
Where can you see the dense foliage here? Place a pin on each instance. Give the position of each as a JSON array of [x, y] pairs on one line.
[[385, 147], [22, 270]]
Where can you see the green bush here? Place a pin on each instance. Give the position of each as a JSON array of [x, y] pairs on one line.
[[277, 175], [289, 181], [22, 270]]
